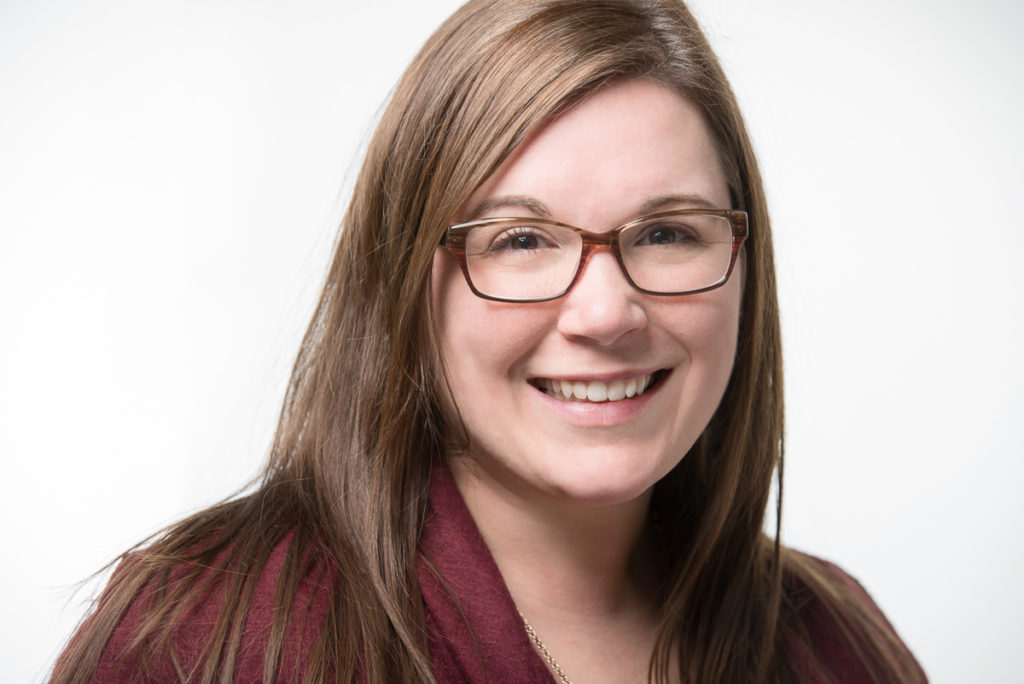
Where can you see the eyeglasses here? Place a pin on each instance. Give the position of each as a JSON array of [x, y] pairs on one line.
[[533, 260]]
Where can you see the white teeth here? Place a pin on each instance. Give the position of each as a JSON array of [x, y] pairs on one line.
[[616, 391], [579, 390], [595, 390]]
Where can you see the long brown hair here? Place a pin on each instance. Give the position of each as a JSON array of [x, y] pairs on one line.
[[366, 408]]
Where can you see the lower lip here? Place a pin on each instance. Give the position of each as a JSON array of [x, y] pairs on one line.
[[600, 413]]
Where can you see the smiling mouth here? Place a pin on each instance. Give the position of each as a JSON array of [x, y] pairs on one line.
[[596, 391]]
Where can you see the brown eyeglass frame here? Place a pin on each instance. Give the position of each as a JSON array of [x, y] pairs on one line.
[[454, 240]]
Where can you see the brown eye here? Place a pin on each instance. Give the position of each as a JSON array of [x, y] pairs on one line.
[[521, 239], [666, 234], [523, 242], [661, 236]]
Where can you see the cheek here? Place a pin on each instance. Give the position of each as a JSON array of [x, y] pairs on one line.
[[481, 341], [711, 313], [708, 327]]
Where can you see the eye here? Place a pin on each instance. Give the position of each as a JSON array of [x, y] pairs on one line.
[[502, 241], [520, 239], [523, 242], [668, 234], [661, 236]]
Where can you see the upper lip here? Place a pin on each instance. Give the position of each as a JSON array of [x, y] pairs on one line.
[[600, 377]]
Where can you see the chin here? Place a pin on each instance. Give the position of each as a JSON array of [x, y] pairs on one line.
[[602, 497], [596, 480]]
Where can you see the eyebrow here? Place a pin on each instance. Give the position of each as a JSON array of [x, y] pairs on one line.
[[662, 201], [526, 202]]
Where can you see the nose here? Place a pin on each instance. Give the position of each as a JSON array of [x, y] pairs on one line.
[[602, 306]]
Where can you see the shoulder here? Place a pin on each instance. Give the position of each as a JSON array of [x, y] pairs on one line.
[[837, 632], [187, 615], [805, 575]]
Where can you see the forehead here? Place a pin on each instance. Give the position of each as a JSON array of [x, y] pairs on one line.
[[611, 155]]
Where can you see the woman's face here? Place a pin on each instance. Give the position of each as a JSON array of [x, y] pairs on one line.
[[633, 148]]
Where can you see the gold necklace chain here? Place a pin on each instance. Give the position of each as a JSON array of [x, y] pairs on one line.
[[544, 651]]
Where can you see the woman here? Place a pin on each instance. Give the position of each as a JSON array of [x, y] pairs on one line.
[[512, 448]]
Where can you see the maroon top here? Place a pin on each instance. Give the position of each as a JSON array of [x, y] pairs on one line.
[[475, 636]]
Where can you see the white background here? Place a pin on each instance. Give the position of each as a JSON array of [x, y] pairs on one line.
[[171, 175]]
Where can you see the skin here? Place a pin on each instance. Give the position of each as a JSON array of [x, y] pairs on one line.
[[559, 489]]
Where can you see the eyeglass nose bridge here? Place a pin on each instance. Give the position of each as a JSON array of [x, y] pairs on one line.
[[594, 242]]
